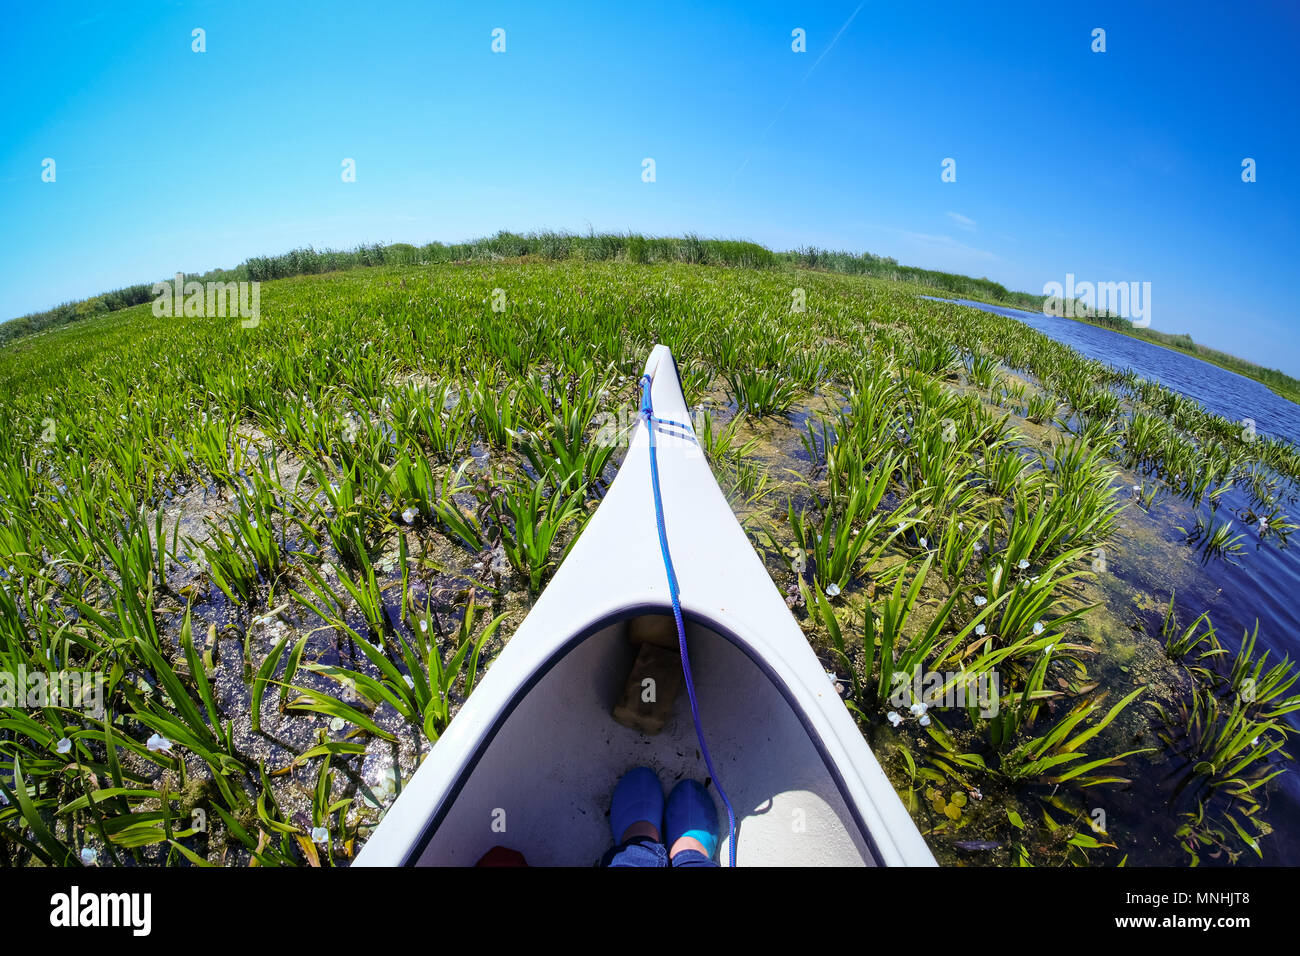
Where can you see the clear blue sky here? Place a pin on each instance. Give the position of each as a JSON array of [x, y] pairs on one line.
[[1117, 166]]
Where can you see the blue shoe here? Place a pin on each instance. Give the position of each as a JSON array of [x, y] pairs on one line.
[[691, 813], [638, 796]]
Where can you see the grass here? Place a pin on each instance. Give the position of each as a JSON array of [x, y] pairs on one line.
[[291, 550]]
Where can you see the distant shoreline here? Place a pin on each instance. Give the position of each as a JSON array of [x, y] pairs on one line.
[[633, 247], [1282, 385], [1243, 367]]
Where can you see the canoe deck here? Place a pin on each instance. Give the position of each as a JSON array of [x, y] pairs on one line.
[[547, 772], [535, 747]]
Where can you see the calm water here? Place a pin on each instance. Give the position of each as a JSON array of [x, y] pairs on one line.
[[1264, 585], [1225, 393]]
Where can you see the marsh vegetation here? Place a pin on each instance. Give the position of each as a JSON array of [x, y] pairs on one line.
[[291, 550]]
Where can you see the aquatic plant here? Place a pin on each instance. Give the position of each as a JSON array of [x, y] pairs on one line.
[[761, 391], [836, 547], [529, 522], [325, 491]]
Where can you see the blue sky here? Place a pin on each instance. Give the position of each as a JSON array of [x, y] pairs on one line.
[[1115, 166]]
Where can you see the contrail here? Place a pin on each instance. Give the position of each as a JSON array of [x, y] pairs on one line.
[[834, 41], [777, 115]]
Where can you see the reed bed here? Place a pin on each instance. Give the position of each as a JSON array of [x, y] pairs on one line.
[[291, 550]]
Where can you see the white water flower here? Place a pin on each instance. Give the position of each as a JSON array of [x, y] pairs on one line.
[[320, 835], [922, 542], [424, 627], [159, 744], [918, 708], [894, 718], [979, 546], [1038, 628], [1022, 564], [89, 855], [924, 721], [337, 724], [832, 590], [980, 600], [1048, 648], [409, 516], [383, 790], [64, 746], [980, 629]]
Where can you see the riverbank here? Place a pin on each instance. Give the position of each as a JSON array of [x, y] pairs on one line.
[[1275, 380]]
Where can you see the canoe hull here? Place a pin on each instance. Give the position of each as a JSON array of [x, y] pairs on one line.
[[561, 671]]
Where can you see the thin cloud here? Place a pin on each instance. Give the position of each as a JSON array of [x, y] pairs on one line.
[[934, 243], [949, 244], [964, 222]]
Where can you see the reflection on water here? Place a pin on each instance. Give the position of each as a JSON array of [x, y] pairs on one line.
[[1264, 584]]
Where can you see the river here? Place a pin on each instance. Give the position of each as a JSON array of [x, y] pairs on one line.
[[1262, 586]]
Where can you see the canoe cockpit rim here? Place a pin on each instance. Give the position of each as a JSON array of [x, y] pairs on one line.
[[590, 630]]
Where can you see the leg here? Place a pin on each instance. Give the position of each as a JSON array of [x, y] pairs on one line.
[[635, 817], [692, 825], [684, 858], [639, 851]]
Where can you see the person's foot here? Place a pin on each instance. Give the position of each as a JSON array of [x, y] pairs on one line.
[[691, 820], [637, 808]]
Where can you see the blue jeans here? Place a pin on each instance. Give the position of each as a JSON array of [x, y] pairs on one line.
[[643, 851]]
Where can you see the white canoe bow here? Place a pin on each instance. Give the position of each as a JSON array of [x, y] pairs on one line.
[[531, 759]]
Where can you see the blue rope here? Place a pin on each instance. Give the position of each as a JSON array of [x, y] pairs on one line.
[[652, 423]]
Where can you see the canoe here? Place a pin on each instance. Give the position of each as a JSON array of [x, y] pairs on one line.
[[532, 757]]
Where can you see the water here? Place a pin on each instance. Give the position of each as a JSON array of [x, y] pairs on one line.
[[1225, 393], [1262, 587]]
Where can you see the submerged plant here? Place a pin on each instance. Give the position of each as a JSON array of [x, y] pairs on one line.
[[530, 524], [761, 391]]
